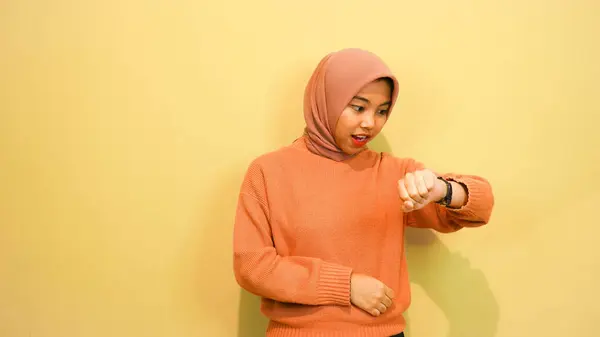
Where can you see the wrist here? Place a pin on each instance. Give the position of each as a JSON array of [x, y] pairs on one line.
[[445, 197]]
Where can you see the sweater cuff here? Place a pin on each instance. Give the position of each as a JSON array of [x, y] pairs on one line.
[[477, 195], [334, 284]]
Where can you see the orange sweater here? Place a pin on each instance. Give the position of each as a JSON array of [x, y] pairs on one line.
[[305, 223]]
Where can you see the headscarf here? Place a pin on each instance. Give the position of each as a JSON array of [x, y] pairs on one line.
[[337, 78]]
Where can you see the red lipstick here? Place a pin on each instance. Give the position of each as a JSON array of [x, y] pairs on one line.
[[360, 140]]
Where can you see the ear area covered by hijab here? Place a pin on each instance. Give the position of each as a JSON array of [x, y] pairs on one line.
[[336, 79]]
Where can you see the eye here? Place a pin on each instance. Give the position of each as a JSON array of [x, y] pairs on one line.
[[383, 112], [357, 108]]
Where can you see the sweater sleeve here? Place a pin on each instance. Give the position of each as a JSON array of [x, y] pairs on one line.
[[476, 212], [262, 271]]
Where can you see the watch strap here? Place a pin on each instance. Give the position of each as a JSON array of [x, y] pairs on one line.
[[447, 199]]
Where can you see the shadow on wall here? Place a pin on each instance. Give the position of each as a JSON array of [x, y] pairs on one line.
[[252, 323], [461, 292]]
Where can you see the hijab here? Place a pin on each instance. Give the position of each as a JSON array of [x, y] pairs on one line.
[[338, 77]]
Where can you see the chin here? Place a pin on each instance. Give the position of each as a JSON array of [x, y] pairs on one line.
[[353, 150]]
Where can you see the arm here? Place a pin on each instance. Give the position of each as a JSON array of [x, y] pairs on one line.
[[260, 270], [471, 205]]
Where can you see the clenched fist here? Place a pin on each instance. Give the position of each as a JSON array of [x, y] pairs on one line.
[[370, 294], [419, 188]]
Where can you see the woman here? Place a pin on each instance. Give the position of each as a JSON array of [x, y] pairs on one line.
[[319, 227]]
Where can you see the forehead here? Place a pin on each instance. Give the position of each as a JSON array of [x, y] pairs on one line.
[[378, 87]]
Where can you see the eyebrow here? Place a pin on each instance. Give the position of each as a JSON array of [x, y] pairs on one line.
[[367, 101]]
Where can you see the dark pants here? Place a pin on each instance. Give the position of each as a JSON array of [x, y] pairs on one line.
[[398, 335]]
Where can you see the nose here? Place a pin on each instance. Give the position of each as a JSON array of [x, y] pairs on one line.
[[368, 121]]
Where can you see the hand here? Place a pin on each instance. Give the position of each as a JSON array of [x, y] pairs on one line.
[[370, 294], [419, 188]]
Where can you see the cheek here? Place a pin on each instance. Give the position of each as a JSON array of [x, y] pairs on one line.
[[343, 128], [380, 122], [338, 131], [344, 124]]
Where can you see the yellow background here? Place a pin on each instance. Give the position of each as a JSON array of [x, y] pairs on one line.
[[126, 127]]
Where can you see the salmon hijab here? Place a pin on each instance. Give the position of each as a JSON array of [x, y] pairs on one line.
[[335, 81]]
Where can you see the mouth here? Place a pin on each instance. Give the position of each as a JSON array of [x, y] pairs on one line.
[[360, 140]]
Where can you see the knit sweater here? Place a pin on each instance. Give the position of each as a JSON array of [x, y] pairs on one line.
[[305, 223]]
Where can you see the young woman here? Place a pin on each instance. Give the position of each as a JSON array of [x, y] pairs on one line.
[[319, 228]]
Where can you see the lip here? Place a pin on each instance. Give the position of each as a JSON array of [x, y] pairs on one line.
[[360, 143]]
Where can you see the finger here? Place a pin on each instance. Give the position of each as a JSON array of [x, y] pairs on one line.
[[375, 312], [381, 307], [390, 293], [411, 187], [387, 301], [416, 207], [420, 184], [402, 190], [430, 180], [408, 206]]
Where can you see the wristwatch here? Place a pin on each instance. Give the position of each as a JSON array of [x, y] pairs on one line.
[[446, 200]]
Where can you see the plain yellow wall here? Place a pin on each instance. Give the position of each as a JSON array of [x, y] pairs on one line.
[[126, 127]]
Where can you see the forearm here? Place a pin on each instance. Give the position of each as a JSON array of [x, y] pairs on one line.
[[293, 279], [472, 200], [460, 196], [471, 206]]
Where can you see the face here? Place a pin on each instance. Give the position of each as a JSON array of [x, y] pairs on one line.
[[364, 117]]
